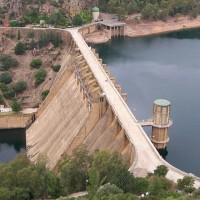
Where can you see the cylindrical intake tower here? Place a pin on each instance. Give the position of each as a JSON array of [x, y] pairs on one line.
[[161, 123]]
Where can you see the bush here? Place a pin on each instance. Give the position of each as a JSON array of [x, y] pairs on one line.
[[44, 94], [7, 62], [56, 68], [9, 93], [20, 86], [161, 170], [20, 48], [36, 63], [5, 78], [40, 75], [16, 106]]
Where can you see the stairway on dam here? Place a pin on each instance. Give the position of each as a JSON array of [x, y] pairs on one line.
[[74, 113]]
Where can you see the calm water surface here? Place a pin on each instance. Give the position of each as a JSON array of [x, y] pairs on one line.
[[12, 142], [166, 66]]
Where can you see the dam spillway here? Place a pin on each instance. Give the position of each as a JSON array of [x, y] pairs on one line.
[[107, 119]]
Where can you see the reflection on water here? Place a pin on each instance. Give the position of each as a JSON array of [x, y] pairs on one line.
[[12, 142], [166, 66]]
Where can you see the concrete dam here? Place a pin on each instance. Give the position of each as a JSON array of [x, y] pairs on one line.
[[86, 106]]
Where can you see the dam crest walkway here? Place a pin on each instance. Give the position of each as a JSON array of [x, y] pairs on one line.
[[147, 157]]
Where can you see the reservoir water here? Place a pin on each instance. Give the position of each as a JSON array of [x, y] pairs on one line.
[[12, 142], [165, 66]]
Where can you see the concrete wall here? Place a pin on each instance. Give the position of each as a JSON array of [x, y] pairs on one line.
[[12, 120]]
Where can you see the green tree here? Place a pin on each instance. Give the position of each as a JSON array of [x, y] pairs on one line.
[[185, 182], [161, 170], [36, 63], [108, 189], [21, 194], [9, 93], [40, 75], [56, 68], [77, 20], [44, 94], [4, 193], [20, 86], [20, 48], [6, 61], [16, 106], [5, 78]]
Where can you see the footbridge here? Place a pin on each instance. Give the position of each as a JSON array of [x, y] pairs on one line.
[[86, 106]]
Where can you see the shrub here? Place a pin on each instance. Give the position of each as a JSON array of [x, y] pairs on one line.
[[20, 48], [40, 75], [7, 62], [9, 93], [16, 106], [5, 78], [36, 63], [3, 87], [20, 86], [44, 94], [56, 68]]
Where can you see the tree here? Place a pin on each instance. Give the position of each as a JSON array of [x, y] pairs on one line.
[[185, 182], [108, 189], [20, 48], [77, 20], [9, 93], [56, 68], [4, 193], [16, 106], [5, 78], [40, 75], [161, 170], [36, 63], [44, 94], [7, 61], [20, 86]]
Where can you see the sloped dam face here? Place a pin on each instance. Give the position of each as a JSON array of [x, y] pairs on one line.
[[75, 112]]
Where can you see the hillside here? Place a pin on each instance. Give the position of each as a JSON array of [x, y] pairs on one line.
[[50, 56]]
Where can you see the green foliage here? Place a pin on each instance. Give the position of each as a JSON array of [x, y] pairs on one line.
[[108, 189], [16, 106], [186, 182], [40, 75], [77, 20], [9, 93], [44, 94], [20, 86], [59, 20], [159, 185], [82, 18], [140, 185], [45, 39], [74, 170], [20, 48], [5, 78], [36, 63], [161, 170], [150, 9], [4, 193], [56, 68], [6, 61]]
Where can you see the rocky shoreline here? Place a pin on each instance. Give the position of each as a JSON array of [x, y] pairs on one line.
[[145, 28]]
